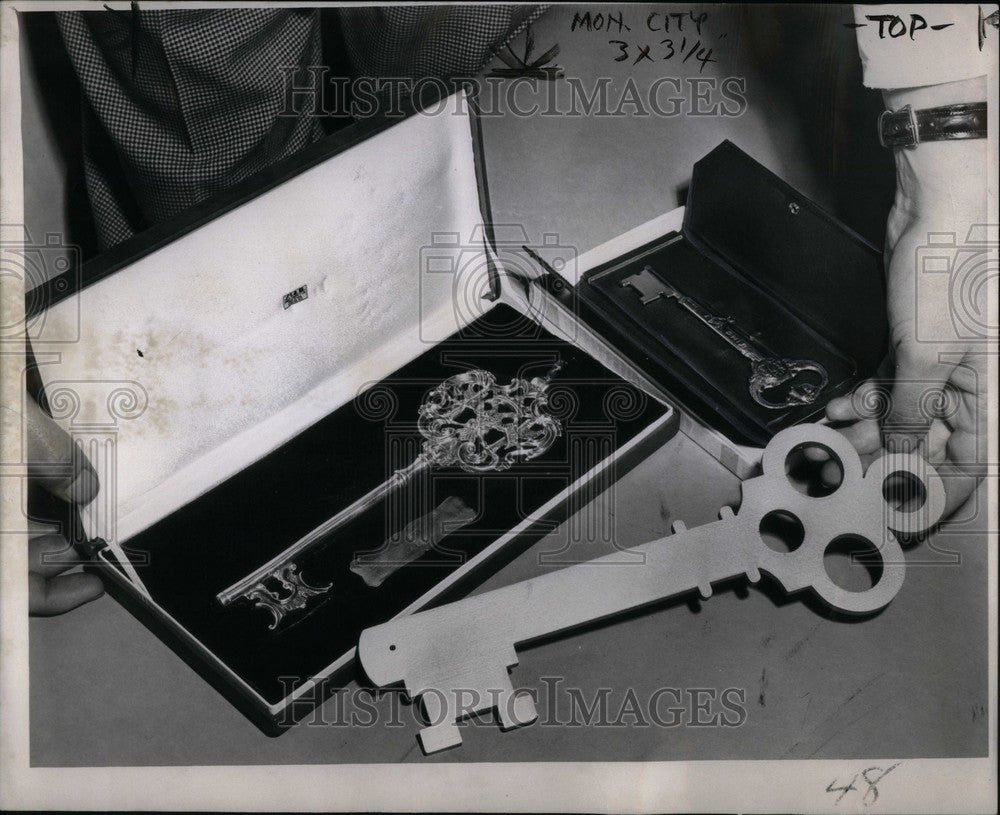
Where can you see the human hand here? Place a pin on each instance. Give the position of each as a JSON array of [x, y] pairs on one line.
[[936, 401], [58, 465]]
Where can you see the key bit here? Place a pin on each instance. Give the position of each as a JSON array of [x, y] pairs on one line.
[[650, 287]]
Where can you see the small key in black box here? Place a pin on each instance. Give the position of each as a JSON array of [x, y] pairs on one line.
[[759, 311]]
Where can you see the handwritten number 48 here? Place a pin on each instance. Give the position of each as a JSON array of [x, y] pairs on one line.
[[870, 778]]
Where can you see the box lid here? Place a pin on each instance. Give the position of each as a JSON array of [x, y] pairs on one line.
[[198, 356], [744, 215]]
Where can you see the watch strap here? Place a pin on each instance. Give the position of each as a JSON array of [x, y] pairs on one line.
[[907, 127]]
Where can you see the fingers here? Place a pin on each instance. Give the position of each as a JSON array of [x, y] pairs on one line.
[[852, 419], [859, 412], [869, 400], [57, 595], [49, 555], [55, 460], [910, 407], [865, 436], [916, 421], [830, 474], [958, 486], [843, 408], [50, 591], [937, 442], [918, 395]]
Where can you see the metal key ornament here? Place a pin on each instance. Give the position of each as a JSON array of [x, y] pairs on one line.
[[456, 657], [767, 371], [472, 422], [469, 421]]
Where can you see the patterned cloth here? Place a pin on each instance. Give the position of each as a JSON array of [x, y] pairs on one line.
[[180, 104], [429, 41]]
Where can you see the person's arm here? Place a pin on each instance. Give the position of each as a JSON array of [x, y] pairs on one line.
[[938, 393]]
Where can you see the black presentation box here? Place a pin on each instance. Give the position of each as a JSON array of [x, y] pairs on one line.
[[788, 274]]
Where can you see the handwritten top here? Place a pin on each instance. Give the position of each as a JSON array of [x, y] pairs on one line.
[[912, 45]]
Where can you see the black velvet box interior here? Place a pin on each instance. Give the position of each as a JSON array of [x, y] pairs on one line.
[[198, 551], [753, 249]]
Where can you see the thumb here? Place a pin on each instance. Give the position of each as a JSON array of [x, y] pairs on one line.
[[54, 459], [918, 396]]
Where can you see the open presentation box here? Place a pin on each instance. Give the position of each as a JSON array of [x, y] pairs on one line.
[[242, 374]]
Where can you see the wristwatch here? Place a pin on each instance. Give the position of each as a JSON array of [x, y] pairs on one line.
[[907, 127]]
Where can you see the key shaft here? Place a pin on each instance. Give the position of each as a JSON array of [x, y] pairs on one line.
[[768, 371], [726, 328], [456, 659], [597, 589]]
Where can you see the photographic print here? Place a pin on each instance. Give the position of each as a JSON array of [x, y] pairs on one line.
[[499, 407]]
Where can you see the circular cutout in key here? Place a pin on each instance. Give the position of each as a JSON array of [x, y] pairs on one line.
[[814, 469], [903, 491], [781, 531], [912, 493], [853, 563]]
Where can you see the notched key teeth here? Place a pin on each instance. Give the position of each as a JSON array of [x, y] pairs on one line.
[[513, 710], [439, 737], [517, 710]]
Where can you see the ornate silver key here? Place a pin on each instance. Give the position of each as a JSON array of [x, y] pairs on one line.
[[455, 657], [805, 379], [470, 421]]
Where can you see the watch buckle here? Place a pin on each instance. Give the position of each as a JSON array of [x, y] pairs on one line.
[[911, 139]]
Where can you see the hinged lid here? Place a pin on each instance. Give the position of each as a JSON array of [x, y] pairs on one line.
[[745, 216], [197, 356]]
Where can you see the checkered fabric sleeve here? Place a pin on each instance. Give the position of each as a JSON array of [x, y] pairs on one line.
[[180, 104], [429, 41]]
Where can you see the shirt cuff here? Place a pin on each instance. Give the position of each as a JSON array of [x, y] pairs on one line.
[[933, 56]]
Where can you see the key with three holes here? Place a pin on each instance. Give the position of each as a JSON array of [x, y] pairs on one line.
[[804, 378], [456, 657]]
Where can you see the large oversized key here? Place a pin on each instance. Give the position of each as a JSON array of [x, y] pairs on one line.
[[802, 379], [456, 657]]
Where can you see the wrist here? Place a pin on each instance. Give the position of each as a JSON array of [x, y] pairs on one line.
[[941, 175], [931, 96], [943, 179]]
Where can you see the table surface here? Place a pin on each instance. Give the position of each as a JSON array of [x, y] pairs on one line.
[[911, 681]]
